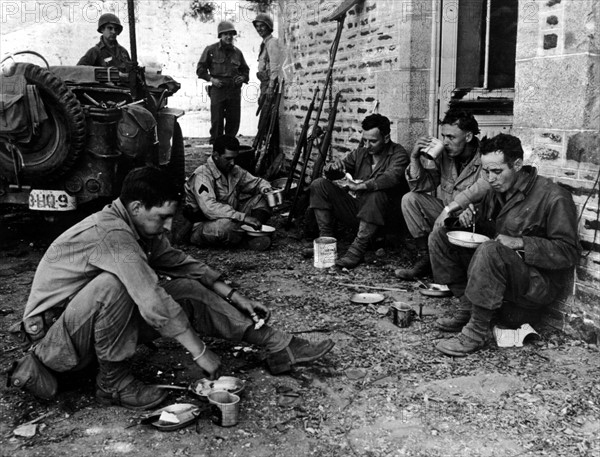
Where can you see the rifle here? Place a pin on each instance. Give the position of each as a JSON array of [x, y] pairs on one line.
[[300, 144], [340, 18], [332, 54], [267, 142], [322, 157], [263, 125]]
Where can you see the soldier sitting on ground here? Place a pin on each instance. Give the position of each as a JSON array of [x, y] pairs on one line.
[[533, 225], [97, 293], [377, 171], [221, 196]]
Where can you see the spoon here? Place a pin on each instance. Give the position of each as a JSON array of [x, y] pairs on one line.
[[473, 234]]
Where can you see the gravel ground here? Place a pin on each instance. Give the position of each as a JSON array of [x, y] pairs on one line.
[[382, 391]]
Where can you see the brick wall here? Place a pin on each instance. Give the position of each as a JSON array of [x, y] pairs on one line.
[[385, 55]]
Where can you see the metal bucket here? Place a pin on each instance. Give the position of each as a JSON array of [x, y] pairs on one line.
[[325, 252]]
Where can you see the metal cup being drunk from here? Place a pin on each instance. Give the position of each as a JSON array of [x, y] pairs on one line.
[[434, 149]]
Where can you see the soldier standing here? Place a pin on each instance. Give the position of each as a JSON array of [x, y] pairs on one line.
[[223, 65], [270, 58], [108, 52]]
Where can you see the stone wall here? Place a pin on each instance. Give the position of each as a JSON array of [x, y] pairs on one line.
[[558, 118], [62, 31]]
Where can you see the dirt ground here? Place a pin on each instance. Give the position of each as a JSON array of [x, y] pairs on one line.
[[382, 391]]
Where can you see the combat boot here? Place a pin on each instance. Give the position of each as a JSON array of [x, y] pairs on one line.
[[459, 318], [324, 221], [298, 351], [474, 335], [355, 253], [455, 323], [459, 346], [421, 268], [115, 385]]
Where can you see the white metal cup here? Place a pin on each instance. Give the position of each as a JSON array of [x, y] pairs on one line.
[[225, 407], [434, 149]]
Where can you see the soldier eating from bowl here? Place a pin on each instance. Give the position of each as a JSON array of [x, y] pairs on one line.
[[532, 223], [98, 292], [221, 197]]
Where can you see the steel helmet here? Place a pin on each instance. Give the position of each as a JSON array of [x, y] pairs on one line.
[[109, 18], [265, 18], [225, 26]]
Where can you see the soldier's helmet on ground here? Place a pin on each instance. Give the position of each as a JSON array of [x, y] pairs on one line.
[[109, 18], [264, 18], [225, 26]]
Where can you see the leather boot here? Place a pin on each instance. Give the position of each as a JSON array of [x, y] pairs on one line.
[[115, 385], [298, 351], [324, 221], [459, 346], [454, 323], [474, 336], [422, 266], [459, 319], [356, 251]]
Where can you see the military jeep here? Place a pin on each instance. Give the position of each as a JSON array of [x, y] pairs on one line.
[[69, 134]]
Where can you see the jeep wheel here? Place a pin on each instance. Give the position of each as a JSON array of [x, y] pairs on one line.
[[60, 139], [176, 167]]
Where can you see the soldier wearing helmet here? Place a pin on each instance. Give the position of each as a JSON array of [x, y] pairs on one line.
[[223, 65], [270, 58], [108, 52]]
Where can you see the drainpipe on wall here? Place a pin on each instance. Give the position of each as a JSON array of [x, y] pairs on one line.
[[436, 6]]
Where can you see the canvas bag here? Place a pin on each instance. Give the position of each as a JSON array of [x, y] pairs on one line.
[[14, 118], [21, 109], [136, 131]]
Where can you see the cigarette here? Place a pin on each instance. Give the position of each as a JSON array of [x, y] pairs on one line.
[[259, 324]]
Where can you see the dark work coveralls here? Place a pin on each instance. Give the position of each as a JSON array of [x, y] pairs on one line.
[[223, 63]]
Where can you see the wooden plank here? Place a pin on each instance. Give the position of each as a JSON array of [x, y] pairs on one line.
[[341, 10]]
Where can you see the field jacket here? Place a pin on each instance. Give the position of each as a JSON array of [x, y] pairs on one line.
[[102, 55], [270, 61], [107, 241], [218, 195], [464, 188], [222, 63], [543, 214], [387, 175]]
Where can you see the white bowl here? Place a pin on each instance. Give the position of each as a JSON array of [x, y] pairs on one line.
[[466, 239]]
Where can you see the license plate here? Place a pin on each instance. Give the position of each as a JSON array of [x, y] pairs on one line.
[[51, 200]]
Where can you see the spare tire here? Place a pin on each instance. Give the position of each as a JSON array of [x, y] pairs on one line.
[[60, 139]]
